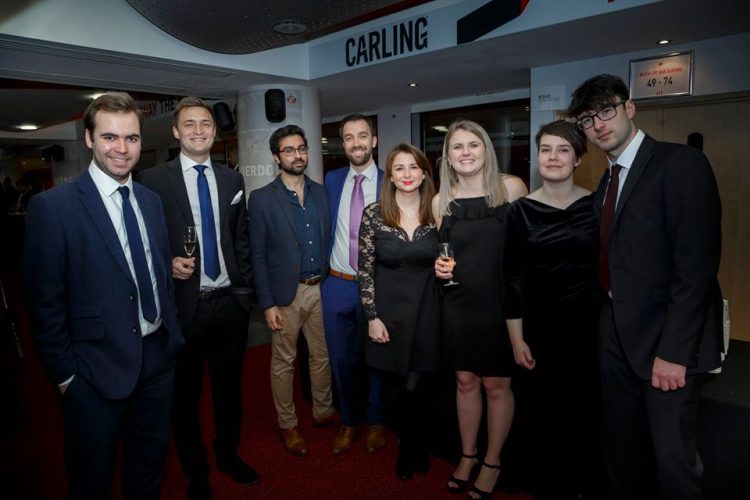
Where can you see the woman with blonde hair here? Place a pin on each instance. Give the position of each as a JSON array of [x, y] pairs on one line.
[[470, 212]]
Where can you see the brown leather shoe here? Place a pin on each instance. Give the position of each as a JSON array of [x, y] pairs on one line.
[[294, 442], [330, 419], [375, 438], [344, 439]]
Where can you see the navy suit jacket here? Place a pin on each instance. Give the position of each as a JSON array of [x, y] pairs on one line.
[[334, 186], [664, 254], [167, 180], [274, 242], [81, 294]]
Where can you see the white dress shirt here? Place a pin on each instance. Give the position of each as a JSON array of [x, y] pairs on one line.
[[190, 175], [340, 255], [112, 199], [625, 160]]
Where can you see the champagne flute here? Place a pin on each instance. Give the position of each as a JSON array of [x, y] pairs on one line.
[[446, 253], [189, 240]]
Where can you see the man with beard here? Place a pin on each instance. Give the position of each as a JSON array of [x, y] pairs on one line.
[[98, 268], [350, 189], [289, 242], [212, 289]]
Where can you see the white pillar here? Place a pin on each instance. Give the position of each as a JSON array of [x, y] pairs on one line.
[[254, 130]]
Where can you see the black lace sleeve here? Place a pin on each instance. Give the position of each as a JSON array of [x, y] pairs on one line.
[[366, 272]]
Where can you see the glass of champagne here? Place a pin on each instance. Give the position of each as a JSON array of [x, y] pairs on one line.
[[189, 240], [446, 253]]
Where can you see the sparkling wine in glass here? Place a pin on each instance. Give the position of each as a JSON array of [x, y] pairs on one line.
[[189, 240], [446, 253]]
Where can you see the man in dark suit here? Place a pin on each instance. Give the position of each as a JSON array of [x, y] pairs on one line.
[[212, 289], [350, 189], [98, 276], [661, 328], [290, 231]]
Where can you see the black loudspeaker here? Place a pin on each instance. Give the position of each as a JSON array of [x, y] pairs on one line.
[[275, 105], [224, 116], [695, 139], [56, 153]]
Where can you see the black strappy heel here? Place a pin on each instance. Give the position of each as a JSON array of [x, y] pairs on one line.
[[461, 483]]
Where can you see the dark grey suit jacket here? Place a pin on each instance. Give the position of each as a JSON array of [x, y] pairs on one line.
[[167, 180], [664, 255]]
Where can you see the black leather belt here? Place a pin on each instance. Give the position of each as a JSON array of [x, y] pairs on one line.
[[213, 293], [312, 280]]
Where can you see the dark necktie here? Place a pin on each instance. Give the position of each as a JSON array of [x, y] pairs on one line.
[[138, 256], [356, 208], [608, 218], [208, 227]]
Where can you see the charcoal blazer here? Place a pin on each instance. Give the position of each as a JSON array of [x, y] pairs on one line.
[[275, 244], [664, 254], [81, 293], [167, 180]]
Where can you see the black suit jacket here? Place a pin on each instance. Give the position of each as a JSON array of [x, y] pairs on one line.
[[275, 244], [167, 180], [664, 254]]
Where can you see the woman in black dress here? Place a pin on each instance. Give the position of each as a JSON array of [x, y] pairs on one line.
[[552, 305], [471, 213], [397, 248]]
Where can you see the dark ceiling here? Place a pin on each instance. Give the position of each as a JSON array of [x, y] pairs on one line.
[[244, 27]]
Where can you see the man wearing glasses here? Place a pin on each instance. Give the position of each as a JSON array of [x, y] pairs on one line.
[[661, 327], [290, 235]]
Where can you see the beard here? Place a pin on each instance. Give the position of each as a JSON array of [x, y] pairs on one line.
[[293, 168], [367, 155]]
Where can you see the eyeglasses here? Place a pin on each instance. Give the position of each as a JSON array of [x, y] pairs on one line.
[[289, 151], [604, 114]]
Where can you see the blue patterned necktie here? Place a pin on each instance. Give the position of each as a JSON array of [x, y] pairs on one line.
[[138, 256], [208, 227]]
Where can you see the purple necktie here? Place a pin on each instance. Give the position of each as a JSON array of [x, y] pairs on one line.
[[356, 208]]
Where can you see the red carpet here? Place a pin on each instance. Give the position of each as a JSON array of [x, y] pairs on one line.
[[32, 456]]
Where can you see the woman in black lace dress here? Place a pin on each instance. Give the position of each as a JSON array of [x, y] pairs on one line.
[[471, 213], [397, 248], [552, 304]]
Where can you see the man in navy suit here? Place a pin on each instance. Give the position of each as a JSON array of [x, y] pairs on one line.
[[350, 189], [98, 275], [289, 238], [212, 290], [661, 326]]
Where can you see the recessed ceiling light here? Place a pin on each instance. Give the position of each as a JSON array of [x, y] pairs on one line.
[[97, 95], [664, 41], [440, 128], [289, 27], [413, 84], [28, 126]]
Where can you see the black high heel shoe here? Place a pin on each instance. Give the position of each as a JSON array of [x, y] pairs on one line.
[[484, 495], [461, 483]]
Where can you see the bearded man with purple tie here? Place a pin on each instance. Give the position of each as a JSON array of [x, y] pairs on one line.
[[350, 189], [98, 278], [212, 289], [661, 325]]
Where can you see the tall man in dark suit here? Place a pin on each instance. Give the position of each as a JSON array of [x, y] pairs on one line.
[[212, 289], [661, 326], [290, 232], [98, 275], [350, 189]]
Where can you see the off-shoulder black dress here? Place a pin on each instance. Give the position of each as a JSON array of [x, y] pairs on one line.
[[476, 336], [397, 285]]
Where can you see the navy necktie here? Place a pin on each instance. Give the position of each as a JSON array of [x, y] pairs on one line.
[[138, 256], [208, 227]]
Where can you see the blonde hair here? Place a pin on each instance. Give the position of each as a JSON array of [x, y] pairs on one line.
[[494, 186]]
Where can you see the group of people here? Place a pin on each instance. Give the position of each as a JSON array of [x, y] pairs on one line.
[[605, 304]]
